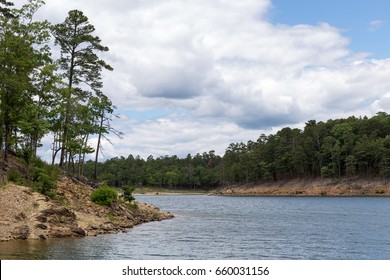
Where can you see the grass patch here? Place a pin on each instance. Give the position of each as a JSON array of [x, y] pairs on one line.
[[111, 217], [132, 207]]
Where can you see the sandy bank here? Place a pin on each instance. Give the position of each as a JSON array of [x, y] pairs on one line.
[[312, 187]]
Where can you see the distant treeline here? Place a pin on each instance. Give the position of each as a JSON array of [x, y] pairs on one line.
[[342, 147]]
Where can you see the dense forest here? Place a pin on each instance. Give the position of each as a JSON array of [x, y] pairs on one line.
[[352, 147], [41, 96]]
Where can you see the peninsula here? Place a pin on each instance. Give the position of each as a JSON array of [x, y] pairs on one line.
[[67, 211]]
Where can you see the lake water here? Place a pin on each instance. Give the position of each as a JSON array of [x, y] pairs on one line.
[[208, 227]]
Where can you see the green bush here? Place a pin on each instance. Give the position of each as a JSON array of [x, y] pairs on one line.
[[104, 195], [43, 182], [14, 176], [128, 193]]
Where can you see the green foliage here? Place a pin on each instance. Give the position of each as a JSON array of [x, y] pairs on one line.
[[23, 51], [128, 193], [14, 176], [332, 149], [44, 177], [43, 182], [104, 195], [132, 207], [39, 96], [84, 106], [327, 172]]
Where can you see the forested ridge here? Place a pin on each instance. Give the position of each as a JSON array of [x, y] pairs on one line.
[[58, 98], [352, 147]]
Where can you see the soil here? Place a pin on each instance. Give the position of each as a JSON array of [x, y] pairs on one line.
[[312, 187], [28, 215]]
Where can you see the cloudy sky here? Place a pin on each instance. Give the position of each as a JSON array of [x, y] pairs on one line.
[[196, 75]]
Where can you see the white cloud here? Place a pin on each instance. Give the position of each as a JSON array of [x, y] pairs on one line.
[[374, 25], [179, 135], [226, 67], [382, 104]]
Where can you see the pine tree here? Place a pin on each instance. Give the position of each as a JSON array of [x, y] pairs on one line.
[[82, 68]]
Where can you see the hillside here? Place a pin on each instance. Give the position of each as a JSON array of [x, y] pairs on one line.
[[25, 214]]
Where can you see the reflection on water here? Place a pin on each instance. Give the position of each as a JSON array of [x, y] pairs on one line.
[[207, 227], [21, 249]]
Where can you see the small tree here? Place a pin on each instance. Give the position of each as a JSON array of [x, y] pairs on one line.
[[128, 193]]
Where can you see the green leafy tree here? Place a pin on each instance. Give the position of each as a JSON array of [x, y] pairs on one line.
[[23, 50], [5, 8], [128, 193]]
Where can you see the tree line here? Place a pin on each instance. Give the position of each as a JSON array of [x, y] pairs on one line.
[[351, 147], [42, 96]]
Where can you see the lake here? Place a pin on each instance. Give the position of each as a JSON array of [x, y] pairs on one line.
[[211, 227]]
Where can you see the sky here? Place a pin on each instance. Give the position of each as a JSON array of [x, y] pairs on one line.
[[196, 75]]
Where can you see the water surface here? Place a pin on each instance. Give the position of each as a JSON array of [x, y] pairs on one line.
[[207, 227]]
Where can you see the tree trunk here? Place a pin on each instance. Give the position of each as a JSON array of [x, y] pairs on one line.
[[98, 146]]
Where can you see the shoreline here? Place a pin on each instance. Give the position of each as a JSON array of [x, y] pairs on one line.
[[29, 215], [168, 193], [165, 191], [311, 188]]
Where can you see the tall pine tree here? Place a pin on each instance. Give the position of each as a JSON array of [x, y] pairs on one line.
[[82, 67]]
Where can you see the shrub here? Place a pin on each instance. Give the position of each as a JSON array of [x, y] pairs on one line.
[[132, 207], [14, 176], [104, 195], [43, 182], [128, 193], [380, 191]]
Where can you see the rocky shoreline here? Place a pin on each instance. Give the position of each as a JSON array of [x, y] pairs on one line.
[[29, 215], [312, 187]]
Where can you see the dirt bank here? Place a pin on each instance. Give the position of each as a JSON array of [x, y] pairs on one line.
[[312, 187], [27, 215]]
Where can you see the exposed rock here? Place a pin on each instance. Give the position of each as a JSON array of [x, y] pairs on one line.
[[41, 226], [79, 231], [30, 215], [21, 232], [21, 216], [312, 187]]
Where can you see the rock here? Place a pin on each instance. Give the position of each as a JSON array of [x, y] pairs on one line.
[[41, 226], [21, 216], [42, 219], [79, 232], [31, 215], [42, 237], [21, 232]]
